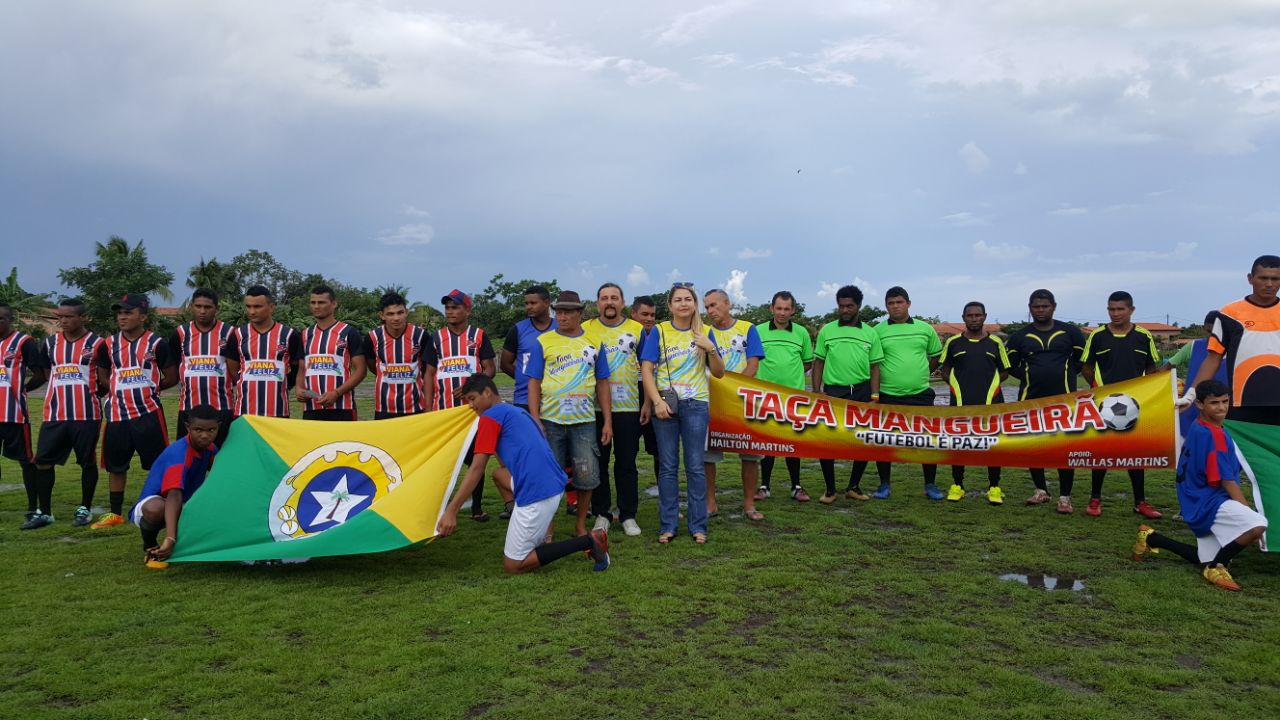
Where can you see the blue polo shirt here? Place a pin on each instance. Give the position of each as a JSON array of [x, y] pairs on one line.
[[511, 434], [179, 467], [1208, 458]]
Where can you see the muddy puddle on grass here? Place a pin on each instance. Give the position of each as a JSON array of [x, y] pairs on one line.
[[1045, 582]]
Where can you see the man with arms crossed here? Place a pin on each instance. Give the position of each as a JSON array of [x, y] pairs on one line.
[[332, 362], [788, 355], [537, 481], [974, 363], [397, 352], [739, 346], [263, 355]]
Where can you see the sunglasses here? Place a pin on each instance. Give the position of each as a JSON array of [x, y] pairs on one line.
[[680, 285]]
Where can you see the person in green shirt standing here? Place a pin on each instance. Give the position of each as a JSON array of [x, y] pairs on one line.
[[788, 354], [911, 353], [846, 365]]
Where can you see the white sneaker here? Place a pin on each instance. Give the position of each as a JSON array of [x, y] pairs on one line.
[[602, 523], [630, 527]]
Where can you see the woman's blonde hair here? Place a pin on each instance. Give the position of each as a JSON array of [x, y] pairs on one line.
[[696, 326]]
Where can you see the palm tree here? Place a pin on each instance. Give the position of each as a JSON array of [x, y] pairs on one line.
[[213, 275], [19, 300]]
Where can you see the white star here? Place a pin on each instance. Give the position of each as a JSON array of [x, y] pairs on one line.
[[335, 504]]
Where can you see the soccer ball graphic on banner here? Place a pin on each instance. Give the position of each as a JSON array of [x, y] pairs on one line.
[[1119, 411]]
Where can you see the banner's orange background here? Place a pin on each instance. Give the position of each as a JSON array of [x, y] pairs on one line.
[[759, 418]]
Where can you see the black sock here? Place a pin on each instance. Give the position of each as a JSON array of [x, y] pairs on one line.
[[793, 471], [1138, 480], [150, 534], [32, 485], [1096, 491], [930, 474], [1228, 551], [828, 475], [477, 498], [1183, 550], [885, 471], [117, 501], [44, 489], [1037, 479], [551, 552], [855, 475], [88, 484], [1066, 478], [993, 476], [766, 470], [957, 475]]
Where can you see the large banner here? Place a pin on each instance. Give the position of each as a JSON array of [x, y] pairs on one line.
[[1126, 425], [1259, 448]]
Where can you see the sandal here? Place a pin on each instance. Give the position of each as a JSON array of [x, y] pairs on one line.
[[665, 538], [700, 538], [753, 515], [481, 517]]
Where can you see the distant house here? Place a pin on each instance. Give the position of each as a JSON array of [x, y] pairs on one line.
[[946, 330], [1164, 334]]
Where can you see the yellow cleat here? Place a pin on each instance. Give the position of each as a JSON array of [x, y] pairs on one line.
[[106, 521], [995, 496], [1140, 547], [1218, 575], [157, 564], [955, 494]]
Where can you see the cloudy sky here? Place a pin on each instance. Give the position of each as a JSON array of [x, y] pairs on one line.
[[965, 150]]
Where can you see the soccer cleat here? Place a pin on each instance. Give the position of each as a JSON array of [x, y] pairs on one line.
[[799, 495], [1145, 510], [507, 507], [933, 492], [82, 517], [827, 498], [1095, 507], [995, 496], [1140, 546], [1039, 497], [1064, 505], [955, 493], [882, 492], [106, 521], [630, 527], [156, 564], [854, 493], [762, 492], [37, 520], [599, 549], [1218, 575], [602, 523]]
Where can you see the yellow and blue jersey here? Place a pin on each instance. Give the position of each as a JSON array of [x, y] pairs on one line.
[[568, 367]]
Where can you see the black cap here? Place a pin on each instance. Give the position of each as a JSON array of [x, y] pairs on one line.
[[132, 301]]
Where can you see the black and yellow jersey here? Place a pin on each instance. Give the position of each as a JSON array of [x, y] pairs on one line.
[[1120, 357], [975, 367]]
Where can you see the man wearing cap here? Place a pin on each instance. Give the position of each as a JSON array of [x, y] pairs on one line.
[[454, 353], [332, 362], [135, 364], [565, 372]]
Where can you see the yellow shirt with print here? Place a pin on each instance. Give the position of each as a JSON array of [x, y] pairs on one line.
[[568, 369], [621, 346]]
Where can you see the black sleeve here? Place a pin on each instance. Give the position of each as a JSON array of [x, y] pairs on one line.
[[430, 356], [512, 343], [104, 355], [354, 337], [164, 358], [231, 350], [294, 347], [486, 350], [175, 346], [34, 355], [1014, 349], [367, 349]]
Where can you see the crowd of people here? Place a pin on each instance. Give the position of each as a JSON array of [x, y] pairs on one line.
[[590, 393]]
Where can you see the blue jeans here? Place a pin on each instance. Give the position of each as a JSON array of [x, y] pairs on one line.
[[687, 428]]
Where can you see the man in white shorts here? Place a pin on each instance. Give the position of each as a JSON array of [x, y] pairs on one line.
[[537, 480], [1209, 494]]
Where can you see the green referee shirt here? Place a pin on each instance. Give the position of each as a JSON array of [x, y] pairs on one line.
[[907, 349], [786, 350], [848, 352]]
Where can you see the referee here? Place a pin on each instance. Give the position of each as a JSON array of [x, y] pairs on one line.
[[974, 363]]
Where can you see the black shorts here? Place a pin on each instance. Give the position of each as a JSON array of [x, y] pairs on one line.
[[15, 441], [922, 399], [857, 393], [224, 426], [1261, 415], [381, 415], [344, 415], [147, 436], [60, 437]]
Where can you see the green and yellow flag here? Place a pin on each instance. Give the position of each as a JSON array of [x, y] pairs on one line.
[[298, 488]]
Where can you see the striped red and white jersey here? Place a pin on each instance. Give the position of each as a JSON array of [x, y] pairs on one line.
[[18, 354], [456, 357], [397, 364], [326, 362], [135, 367], [202, 370], [73, 378], [267, 362]]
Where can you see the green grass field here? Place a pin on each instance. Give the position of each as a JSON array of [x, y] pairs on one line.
[[890, 609]]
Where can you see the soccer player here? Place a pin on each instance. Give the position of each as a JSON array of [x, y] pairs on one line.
[[974, 363], [619, 339], [788, 356], [564, 372], [645, 311], [177, 474], [846, 365], [202, 371], [537, 480], [522, 342], [1209, 492], [397, 351], [1045, 356], [263, 355], [1246, 338], [911, 353], [455, 352], [72, 409], [19, 355], [739, 346], [136, 365], [1119, 351], [332, 362]]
